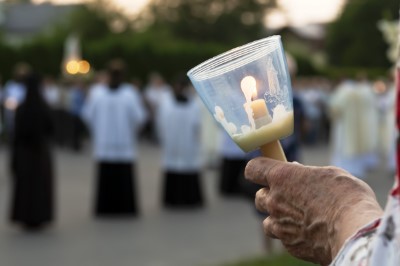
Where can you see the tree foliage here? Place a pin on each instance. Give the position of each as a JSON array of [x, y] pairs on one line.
[[223, 21], [354, 40], [170, 45]]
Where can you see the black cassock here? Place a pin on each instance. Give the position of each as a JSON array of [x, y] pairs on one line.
[[182, 190], [32, 197], [115, 189]]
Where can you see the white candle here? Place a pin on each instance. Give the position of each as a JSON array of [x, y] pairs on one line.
[[256, 110]]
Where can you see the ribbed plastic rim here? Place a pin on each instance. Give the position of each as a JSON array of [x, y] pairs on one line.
[[228, 60]]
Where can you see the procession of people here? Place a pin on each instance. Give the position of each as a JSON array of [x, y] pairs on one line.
[[354, 118]]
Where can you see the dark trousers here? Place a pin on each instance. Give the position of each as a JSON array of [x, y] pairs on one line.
[[182, 190]]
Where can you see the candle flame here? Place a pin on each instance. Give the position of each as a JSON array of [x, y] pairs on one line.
[[249, 88]]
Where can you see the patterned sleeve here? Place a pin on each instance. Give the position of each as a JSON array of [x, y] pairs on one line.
[[378, 243]]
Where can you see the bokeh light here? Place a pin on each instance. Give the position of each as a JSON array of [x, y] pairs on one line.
[[72, 67], [84, 67]]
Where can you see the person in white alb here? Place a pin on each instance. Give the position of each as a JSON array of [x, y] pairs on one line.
[[114, 115], [354, 125], [178, 123], [154, 94]]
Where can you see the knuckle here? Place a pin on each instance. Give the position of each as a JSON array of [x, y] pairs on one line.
[[331, 170], [277, 230], [270, 202], [274, 172], [268, 225], [260, 200], [271, 205], [259, 194], [260, 205]]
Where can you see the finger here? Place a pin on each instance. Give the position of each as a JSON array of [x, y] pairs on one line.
[[267, 172], [287, 233], [261, 200], [257, 170], [268, 227]]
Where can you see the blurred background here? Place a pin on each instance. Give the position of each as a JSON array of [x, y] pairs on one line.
[[341, 53]]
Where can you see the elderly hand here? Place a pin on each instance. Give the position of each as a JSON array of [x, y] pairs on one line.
[[312, 210]]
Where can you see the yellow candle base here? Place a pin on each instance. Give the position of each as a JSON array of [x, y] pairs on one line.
[[273, 150], [281, 127]]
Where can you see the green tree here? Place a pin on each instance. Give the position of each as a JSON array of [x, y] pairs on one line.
[[8, 55], [223, 21], [354, 39]]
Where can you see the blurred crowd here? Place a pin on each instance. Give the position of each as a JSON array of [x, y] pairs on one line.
[[354, 117]]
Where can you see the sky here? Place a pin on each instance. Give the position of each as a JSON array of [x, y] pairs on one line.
[[303, 12], [298, 12]]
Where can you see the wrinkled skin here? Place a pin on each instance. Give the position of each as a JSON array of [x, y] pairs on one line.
[[312, 210]]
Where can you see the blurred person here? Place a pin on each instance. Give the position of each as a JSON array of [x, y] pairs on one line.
[[100, 83], [31, 163], [114, 115], [353, 138], [1, 107], [62, 117], [233, 162], [137, 83], [51, 92], [154, 94], [370, 118], [52, 95], [77, 99], [14, 94], [312, 111], [179, 125], [324, 107], [386, 107], [210, 136], [291, 145]]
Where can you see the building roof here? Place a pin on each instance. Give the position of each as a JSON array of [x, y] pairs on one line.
[[28, 19]]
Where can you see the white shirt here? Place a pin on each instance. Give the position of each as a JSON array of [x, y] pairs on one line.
[[114, 118], [52, 95], [179, 127], [155, 95], [15, 91], [96, 89]]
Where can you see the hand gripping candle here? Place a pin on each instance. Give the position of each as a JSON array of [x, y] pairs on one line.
[[248, 91]]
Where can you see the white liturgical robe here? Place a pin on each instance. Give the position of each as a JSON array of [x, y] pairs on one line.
[[179, 129], [114, 118], [354, 127]]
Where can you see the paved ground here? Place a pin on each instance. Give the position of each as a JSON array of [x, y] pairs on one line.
[[226, 230]]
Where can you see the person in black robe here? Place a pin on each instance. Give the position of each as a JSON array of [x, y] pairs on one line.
[[31, 162]]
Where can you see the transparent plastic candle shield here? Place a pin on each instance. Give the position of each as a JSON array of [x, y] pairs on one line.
[[248, 91]]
